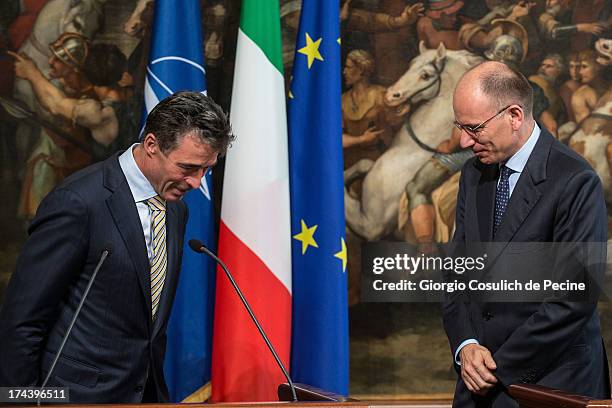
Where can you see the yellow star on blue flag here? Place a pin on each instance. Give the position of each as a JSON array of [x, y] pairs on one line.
[[342, 254], [311, 50], [306, 237]]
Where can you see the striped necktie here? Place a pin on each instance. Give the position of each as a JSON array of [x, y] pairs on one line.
[[159, 262]]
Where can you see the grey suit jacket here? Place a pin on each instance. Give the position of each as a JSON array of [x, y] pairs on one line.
[[558, 198], [115, 345]]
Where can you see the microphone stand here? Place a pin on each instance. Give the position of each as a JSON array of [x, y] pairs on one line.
[[105, 253], [199, 247]]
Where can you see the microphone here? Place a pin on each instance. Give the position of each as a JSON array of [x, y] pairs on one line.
[[106, 252], [199, 247]]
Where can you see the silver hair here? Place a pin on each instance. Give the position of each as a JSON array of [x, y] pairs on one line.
[[559, 60]]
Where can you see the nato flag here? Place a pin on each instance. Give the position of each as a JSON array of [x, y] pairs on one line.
[[176, 63]]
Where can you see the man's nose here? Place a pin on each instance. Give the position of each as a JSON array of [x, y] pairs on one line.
[[195, 180], [466, 140]]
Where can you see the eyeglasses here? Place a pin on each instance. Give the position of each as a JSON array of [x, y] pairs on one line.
[[474, 130]]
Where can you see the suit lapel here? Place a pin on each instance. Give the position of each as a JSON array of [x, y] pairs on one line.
[[523, 199], [125, 215], [526, 193], [170, 282]]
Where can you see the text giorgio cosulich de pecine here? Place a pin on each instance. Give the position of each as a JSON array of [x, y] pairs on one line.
[[459, 265]]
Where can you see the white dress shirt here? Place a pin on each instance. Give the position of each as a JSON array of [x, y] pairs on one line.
[[519, 159], [141, 190]]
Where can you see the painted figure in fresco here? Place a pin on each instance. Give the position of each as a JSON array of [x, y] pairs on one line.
[[56, 17], [598, 14], [478, 36], [418, 203], [593, 138], [54, 157], [390, 35], [547, 77], [440, 25], [103, 68], [555, 22], [93, 110], [510, 45], [571, 85], [371, 22], [368, 123], [593, 85], [431, 78], [593, 141]]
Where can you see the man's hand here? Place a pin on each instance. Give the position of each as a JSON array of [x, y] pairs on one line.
[[591, 28], [24, 66], [409, 15], [371, 135], [521, 10], [477, 368]]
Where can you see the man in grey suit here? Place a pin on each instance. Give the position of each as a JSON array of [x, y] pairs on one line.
[[130, 202], [522, 186]]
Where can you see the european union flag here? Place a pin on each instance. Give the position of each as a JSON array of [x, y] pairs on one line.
[[176, 62], [319, 350]]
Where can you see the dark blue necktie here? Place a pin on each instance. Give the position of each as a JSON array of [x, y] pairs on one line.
[[502, 196]]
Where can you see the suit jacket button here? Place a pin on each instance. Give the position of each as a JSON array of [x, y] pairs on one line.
[[138, 388], [487, 316]]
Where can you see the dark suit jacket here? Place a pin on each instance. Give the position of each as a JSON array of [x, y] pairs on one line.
[[558, 198], [114, 346]]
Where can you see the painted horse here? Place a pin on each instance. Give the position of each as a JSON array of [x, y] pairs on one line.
[[429, 84]]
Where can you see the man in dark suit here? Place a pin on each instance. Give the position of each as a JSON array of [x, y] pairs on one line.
[[130, 204], [522, 186]]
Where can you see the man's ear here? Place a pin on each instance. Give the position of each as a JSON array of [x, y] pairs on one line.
[[150, 144], [517, 115]]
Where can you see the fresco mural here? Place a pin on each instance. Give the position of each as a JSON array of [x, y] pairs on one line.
[[71, 80]]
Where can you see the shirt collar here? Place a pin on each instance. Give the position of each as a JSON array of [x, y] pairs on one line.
[[139, 185], [519, 159]]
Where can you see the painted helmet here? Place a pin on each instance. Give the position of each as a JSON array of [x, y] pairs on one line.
[[506, 49], [71, 48]]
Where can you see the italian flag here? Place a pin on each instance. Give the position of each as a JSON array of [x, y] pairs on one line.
[[254, 236]]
